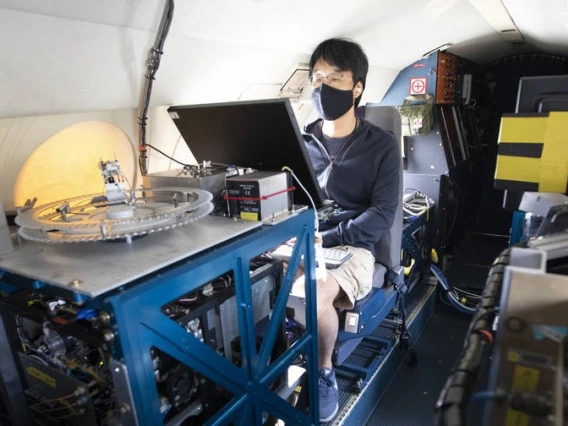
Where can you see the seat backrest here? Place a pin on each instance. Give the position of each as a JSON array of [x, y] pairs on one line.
[[388, 247]]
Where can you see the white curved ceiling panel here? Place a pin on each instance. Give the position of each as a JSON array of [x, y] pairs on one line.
[[543, 23], [393, 33]]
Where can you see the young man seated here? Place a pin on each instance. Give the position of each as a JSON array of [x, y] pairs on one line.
[[358, 167]]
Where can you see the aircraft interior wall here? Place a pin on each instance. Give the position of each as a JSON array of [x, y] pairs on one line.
[[131, 325]]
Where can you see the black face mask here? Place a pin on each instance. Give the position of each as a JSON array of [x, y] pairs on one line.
[[331, 103]]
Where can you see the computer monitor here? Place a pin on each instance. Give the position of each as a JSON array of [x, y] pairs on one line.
[[261, 134], [542, 94]]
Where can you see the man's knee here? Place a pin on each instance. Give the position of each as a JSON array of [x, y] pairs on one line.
[[327, 291]]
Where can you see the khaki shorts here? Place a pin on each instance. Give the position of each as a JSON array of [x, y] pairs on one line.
[[355, 276]]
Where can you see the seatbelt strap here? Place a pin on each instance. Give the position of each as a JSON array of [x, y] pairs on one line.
[[404, 335]]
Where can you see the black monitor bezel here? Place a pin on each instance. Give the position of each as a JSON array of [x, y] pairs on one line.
[[535, 90]]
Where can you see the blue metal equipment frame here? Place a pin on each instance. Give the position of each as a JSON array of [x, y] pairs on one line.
[[138, 325], [137, 313]]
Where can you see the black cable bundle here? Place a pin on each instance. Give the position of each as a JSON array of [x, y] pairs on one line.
[[153, 63], [453, 400]]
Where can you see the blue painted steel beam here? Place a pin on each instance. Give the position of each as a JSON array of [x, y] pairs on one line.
[[140, 325], [278, 312]]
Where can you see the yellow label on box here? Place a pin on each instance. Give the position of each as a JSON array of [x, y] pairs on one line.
[[249, 216], [40, 375], [525, 379]]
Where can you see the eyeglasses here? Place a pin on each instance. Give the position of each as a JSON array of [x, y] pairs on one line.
[[333, 79]]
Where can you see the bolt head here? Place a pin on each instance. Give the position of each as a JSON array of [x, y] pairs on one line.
[[108, 336]]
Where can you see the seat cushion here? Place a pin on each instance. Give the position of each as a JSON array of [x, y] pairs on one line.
[[379, 276]]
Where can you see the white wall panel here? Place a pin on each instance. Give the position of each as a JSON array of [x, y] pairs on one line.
[[57, 65]]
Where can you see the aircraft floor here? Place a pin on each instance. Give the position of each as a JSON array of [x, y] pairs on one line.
[[411, 397]]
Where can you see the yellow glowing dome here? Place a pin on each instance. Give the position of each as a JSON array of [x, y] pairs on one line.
[[67, 164]]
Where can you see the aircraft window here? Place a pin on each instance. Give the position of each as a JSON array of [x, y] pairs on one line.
[[297, 85]]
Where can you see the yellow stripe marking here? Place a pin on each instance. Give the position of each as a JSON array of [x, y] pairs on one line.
[[522, 129], [520, 169]]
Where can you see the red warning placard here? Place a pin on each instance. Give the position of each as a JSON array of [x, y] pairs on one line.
[[419, 86]]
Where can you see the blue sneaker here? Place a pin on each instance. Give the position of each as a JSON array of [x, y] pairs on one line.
[[328, 395]]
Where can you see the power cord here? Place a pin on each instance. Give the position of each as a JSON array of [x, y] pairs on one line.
[[415, 204], [321, 272], [450, 293], [289, 170], [171, 158]]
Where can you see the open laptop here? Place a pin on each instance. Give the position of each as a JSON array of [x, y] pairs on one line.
[[261, 134]]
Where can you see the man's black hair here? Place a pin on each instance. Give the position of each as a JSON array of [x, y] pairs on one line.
[[346, 55]]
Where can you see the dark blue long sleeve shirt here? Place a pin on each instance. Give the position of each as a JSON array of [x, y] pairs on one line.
[[363, 180]]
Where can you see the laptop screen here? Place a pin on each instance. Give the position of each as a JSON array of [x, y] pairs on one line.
[[263, 135]]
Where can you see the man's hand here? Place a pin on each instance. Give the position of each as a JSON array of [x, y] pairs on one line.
[[317, 238]]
